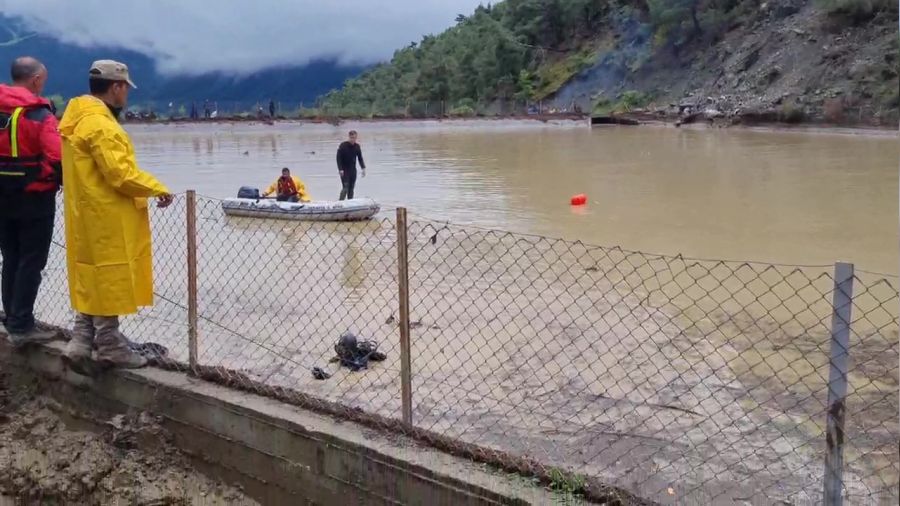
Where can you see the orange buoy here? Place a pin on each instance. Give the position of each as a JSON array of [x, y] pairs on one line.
[[579, 200]]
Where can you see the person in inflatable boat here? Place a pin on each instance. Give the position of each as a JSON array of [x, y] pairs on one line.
[[288, 188]]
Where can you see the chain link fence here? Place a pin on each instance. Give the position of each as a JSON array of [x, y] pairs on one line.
[[599, 370]]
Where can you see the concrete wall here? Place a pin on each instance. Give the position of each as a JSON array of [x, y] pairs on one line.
[[278, 453]]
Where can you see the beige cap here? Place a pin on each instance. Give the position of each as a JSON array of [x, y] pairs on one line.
[[111, 70]]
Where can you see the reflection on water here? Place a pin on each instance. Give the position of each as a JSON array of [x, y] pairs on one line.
[[772, 196]]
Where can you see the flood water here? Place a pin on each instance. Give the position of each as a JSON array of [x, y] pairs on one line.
[[645, 371], [782, 197]]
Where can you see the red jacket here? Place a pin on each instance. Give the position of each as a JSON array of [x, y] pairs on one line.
[[37, 134], [37, 153]]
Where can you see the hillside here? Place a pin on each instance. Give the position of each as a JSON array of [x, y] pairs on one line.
[[782, 60], [68, 73]]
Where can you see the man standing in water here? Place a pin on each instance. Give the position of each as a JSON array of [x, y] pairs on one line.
[[347, 154], [108, 247]]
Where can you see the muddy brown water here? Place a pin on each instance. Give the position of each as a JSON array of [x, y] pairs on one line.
[[775, 196], [651, 372]]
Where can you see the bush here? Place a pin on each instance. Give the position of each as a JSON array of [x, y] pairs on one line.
[[627, 101], [601, 106], [632, 99], [791, 113], [308, 112], [466, 103], [463, 111]]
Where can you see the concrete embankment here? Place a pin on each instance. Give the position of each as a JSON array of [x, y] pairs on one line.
[[274, 453]]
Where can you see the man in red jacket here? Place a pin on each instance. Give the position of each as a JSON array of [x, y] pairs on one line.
[[30, 175]]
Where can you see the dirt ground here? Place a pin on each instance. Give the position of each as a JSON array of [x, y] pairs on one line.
[[50, 457]]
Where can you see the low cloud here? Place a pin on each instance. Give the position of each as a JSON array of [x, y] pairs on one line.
[[240, 36]]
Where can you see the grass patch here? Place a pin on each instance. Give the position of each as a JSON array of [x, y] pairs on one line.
[[552, 76], [626, 101], [568, 489]]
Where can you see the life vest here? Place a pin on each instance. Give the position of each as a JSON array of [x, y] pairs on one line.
[[18, 168], [286, 186]]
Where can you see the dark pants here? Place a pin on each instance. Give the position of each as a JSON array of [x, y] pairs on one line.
[[287, 198], [348, 180], [25, 245]]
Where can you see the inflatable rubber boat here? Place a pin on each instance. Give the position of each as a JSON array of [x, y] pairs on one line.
[[343, 210]]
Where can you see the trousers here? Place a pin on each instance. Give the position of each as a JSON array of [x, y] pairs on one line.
[[25, 246], [348, 184]]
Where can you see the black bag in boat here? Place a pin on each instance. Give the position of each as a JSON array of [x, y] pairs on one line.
[[248, 192]]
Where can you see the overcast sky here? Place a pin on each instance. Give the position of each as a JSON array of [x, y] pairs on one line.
[[196, 36]]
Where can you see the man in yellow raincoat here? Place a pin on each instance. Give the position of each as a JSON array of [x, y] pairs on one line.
[[288, 188], [107, 222]]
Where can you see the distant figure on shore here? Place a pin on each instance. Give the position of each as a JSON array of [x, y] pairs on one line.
[[347, 154], [272, 109], [194, 114], [288, 188], [206, 111]]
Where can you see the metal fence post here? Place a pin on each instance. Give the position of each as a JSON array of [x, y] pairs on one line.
[[403, 284], [192, 277], [842, 304]]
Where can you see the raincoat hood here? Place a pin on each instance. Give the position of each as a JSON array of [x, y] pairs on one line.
[[80, 108]]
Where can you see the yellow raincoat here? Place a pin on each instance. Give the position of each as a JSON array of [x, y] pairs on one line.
[[302, 194], [107, 222]]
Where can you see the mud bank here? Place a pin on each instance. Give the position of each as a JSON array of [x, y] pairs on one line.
[[50, 454]]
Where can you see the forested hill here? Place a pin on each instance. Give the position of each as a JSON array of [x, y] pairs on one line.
[[796, 59]]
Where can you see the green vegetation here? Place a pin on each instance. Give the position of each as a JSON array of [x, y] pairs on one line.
[[58, 102], [791, 113], [552, 76], [514, 50], [568, 489], [626, 102], [525, 50]]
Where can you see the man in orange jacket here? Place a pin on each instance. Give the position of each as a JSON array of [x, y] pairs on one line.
[[288, 188]]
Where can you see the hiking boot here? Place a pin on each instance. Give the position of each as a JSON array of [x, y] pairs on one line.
[[79, 348], [33, 336], [120, 356], [112, 346]]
